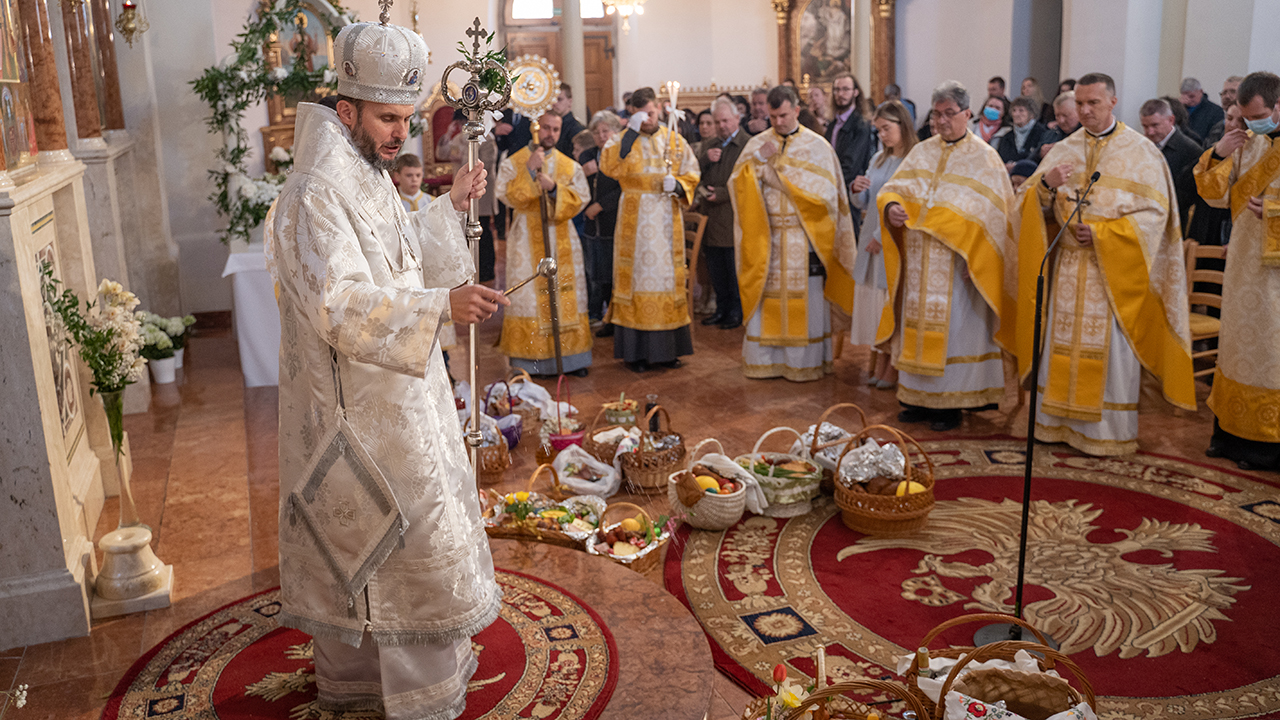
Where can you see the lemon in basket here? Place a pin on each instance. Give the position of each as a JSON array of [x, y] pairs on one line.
[[706, 482], [630, 524], [909, 487]]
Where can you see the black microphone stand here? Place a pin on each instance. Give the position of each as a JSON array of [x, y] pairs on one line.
[[1010, 631]]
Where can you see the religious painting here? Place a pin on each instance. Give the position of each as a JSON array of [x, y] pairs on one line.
[[308, 41], [823, 43], [10, 66], [60, 354]]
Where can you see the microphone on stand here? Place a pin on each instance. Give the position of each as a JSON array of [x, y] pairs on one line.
[[1010, 631]]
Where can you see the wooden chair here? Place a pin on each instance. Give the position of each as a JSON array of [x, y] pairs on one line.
[[1203, 325], [694, 225]]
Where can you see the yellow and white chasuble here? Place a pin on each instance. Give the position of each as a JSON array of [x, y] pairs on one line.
[[950, 274], [1246, 385], [1113, 308], [526, 324], [363, 289], [783, 207], [649, 265]]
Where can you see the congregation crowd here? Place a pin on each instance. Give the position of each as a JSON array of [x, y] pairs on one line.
[[795, 192]]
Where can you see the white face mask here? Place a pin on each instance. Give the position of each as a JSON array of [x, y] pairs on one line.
[[1265, 126]]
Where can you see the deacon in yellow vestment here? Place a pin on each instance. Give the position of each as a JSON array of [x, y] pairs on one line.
[[794, 242], [1242, 173], [649, 308], [1117, 298], [949, 269], [526, 326]]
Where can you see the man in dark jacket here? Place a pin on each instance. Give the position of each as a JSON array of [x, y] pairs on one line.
[[712, 198], [849, 132], [1180, 151], [569, 125], [601, 215], [1202, 112]]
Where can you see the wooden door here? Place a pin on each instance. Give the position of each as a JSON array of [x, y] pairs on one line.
[[597, 57], [544, 44]]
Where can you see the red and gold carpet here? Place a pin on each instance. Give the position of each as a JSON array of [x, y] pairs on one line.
[[1161, 578], [548, 656]]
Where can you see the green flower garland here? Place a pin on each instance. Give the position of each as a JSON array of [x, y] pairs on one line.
[[244, 80]]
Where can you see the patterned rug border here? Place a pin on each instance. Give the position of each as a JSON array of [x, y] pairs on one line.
[[112, 709]]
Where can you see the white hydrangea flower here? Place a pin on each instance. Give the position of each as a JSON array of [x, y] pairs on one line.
[[279, 74], [279, 154], [329, 76]]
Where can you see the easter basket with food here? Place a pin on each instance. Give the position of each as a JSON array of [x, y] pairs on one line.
[[824, 441], [621, 411], [493, 457], [789, 481], [520, 385], [602, 442], [584, 474], [530, 515], [713, 491], [658, 455], [561, 431], [878, 489], [635, 541]]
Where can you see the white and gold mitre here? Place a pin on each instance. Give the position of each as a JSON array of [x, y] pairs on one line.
[[380, 62]]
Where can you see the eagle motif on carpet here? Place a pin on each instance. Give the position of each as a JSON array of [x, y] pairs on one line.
[[1101, 599]]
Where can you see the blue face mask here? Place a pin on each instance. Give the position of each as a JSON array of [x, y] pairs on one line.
[[991, 114], [1265, 126]]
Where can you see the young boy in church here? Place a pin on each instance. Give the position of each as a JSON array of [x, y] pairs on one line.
[[408, 180]]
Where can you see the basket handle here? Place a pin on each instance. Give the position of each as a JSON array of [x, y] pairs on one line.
[[813, 447], [559, 419], [555, 477], [693, 455], [756, 450], [624, 505], [644, 426], [864, 433], [982, 618], [492, 386], [1007, 648], [865, 686], [900, 438], [520, 375], [591, 429]]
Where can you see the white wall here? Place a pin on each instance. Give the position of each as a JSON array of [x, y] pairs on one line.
[[1120, 38], [940, 40], [1217, 44]]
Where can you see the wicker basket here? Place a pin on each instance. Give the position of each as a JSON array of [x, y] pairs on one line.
[[530, 416], [558, 494], [599, 450], [833, 702], [828, 474], [646, 471], [912, 676], [642, 562], [710, 512], [562, 440], [492, 461], [887, 515], [787, 496], [1031, 695]]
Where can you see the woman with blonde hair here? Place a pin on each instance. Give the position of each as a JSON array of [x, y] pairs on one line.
[[871, 288]]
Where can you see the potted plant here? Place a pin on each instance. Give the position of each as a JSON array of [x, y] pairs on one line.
[[158, 349], [175, 327]]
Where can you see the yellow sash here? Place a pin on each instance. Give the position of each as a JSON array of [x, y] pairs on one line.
[[1253, 184]]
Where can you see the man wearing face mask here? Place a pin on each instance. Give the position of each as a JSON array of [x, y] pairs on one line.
[[1242, 173], [649, 310], [946, 245], [1117, 299]]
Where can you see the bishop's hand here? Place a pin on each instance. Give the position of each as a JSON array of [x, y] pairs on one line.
[[536, 159], [767, 151], [470, 304], [1058, 175], [468, 185]]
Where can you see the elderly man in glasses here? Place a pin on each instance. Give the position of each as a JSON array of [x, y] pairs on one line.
[[946, 251]]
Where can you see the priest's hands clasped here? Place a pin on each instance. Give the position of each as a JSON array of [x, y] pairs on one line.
[[468, 185], [668, 184], [470, 304]]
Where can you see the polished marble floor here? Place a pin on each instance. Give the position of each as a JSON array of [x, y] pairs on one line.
[[205, 477]]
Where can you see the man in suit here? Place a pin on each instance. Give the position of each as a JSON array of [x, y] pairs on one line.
[[1202, 113], [569, 125], [1180, 151], [712, 198], [849, 132]]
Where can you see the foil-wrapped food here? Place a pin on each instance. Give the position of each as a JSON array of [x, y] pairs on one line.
[[827, 434], [872, 460], [660, 442]]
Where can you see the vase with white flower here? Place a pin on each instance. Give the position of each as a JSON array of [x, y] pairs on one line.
[[174, 327], [108, 337], [157, 348]]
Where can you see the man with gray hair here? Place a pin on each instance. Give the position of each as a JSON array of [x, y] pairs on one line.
[[1204, 114], [1064, 112], [946, 248], [1180, 151], [383, 558], [712, 198]]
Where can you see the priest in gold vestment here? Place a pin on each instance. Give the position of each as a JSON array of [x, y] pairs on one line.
[[1117, 298], [649, 310], [1242, 173], [526, 326], [794, 242], [949, 258]]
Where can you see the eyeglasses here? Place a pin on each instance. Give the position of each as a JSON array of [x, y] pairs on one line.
[[947, 115]]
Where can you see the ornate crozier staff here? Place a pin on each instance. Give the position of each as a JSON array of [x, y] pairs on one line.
[[477, 99]]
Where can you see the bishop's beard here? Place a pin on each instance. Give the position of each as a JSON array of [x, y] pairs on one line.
[[367, 146]]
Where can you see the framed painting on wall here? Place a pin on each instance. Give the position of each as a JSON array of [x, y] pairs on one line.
[[309, 41], [822, 40]]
